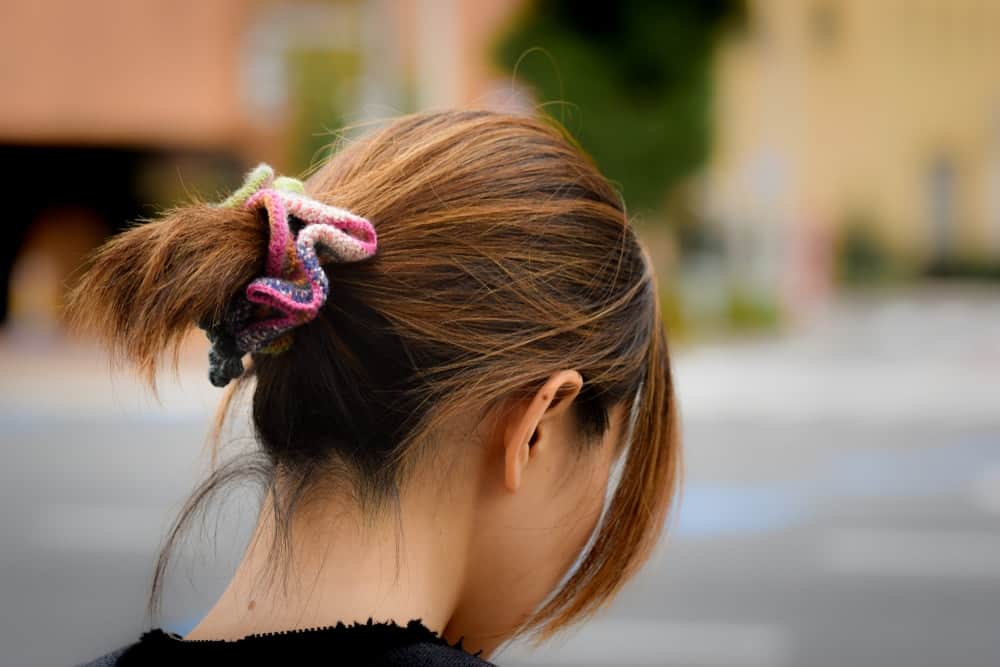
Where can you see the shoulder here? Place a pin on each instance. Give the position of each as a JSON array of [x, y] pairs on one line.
[[106, 660], [431, 654], [423, 654], [376, 644]]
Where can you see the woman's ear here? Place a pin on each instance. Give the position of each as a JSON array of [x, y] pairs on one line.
[[526, 423]]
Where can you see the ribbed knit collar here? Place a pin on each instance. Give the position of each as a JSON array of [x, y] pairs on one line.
[[358, 643]]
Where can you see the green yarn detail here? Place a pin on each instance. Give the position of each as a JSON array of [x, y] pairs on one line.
[[289, 184], [260, 175]]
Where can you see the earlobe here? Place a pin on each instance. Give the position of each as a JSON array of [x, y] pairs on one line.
[[517, 442], [515, 459]]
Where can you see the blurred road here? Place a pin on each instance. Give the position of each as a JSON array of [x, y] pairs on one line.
[[841, 504]]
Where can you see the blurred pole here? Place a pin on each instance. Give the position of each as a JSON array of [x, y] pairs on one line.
[[993, 186], [438, 56], [381, 62]]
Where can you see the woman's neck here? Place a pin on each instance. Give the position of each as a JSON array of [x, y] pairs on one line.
[[342, 569]]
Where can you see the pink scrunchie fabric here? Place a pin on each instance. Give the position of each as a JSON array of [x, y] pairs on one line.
[[294, 286]]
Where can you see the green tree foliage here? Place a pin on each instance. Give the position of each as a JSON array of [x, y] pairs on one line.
[[323, 86], [637, 72]]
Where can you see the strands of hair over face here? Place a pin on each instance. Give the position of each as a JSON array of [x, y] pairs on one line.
[[503, 256]]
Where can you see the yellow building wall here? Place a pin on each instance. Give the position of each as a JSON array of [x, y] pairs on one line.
[[856, 98]]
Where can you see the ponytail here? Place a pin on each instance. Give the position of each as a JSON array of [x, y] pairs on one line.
[[142, 290]]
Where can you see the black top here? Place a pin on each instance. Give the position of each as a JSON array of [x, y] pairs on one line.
[[384, 644]]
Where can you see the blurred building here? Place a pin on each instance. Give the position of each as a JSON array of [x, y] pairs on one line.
[[843, 114], [116, 109], [111, 108]]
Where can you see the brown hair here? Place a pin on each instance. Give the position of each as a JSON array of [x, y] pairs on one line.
[[503, 256]]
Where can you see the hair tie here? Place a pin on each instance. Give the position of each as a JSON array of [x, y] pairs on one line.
[[294, 286]]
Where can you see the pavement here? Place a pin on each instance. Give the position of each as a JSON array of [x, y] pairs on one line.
[[841, 503]]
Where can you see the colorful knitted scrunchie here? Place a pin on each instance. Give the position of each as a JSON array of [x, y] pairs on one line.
[[294, 286]]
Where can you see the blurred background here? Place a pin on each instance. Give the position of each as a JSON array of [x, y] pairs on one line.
[[818, 180]]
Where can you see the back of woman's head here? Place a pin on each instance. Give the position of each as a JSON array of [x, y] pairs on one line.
[[503, 255]]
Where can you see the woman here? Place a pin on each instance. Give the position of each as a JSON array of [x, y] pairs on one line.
[[437, 409]]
